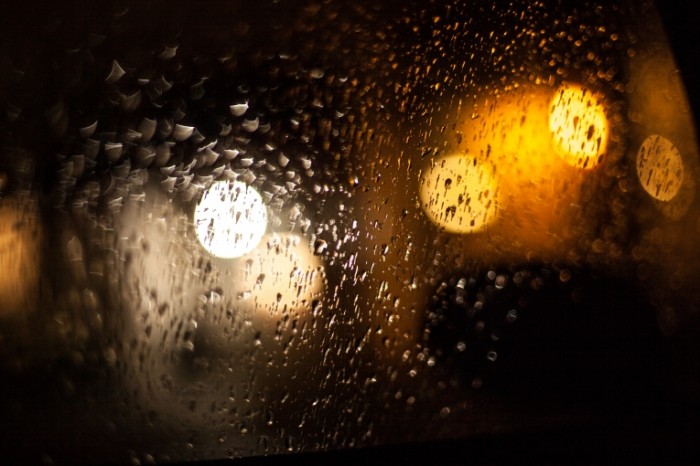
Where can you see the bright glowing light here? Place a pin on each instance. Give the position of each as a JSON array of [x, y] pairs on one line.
[[579, 126], [230, 219], [282, 273], [660, 168], [459, 194]]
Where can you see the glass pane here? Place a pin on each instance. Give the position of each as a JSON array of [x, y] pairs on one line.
[[233, 229]]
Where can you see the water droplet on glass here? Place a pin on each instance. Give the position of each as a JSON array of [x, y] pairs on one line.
[[251, 125], [181, 132], [320, 246], [501, 282], [316, 73], [168, 52], [238, 109], [87, 131], [115, 73]]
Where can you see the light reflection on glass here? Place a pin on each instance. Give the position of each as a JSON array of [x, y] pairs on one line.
[[660, 168], [230, 219], [459, 194], [537, 189], [579, 126]]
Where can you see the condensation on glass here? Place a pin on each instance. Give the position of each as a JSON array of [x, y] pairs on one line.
[[232, 229]]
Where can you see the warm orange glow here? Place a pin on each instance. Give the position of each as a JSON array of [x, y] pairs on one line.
[[579, 126], [660, 168], [19, 258], [511, 131], [537, 188], [459, 194], [281, 274]]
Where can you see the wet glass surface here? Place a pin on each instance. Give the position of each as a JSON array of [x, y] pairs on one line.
[[232, 229]]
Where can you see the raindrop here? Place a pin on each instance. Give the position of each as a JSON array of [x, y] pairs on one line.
[[320, 246], [182, 133], [56, 116], [13, 112], [317, 73], [145, 156], [167, 171], [238, 109], [147, 128], [162, 153], [165, 128], [225, 130], [565, 275], [246, 162], [187, 346], [251, 125], [168, 53], [115, 73], [230, 154], [113, 150], [169, 183], [91, 148], [132, 101]]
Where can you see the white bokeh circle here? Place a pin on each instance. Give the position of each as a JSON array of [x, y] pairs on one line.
[[230, 219]]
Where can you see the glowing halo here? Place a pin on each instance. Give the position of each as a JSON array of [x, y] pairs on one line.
[[579, 126], [230, 219], [459, 194]]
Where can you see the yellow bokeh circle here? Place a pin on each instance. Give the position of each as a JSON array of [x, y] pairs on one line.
[[660, 168], [578, 125], [459, 193]]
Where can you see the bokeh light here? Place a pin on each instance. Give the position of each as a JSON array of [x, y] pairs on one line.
[[579, 126], [459, 194], [660, 168], [281, 274], [230, 219]]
